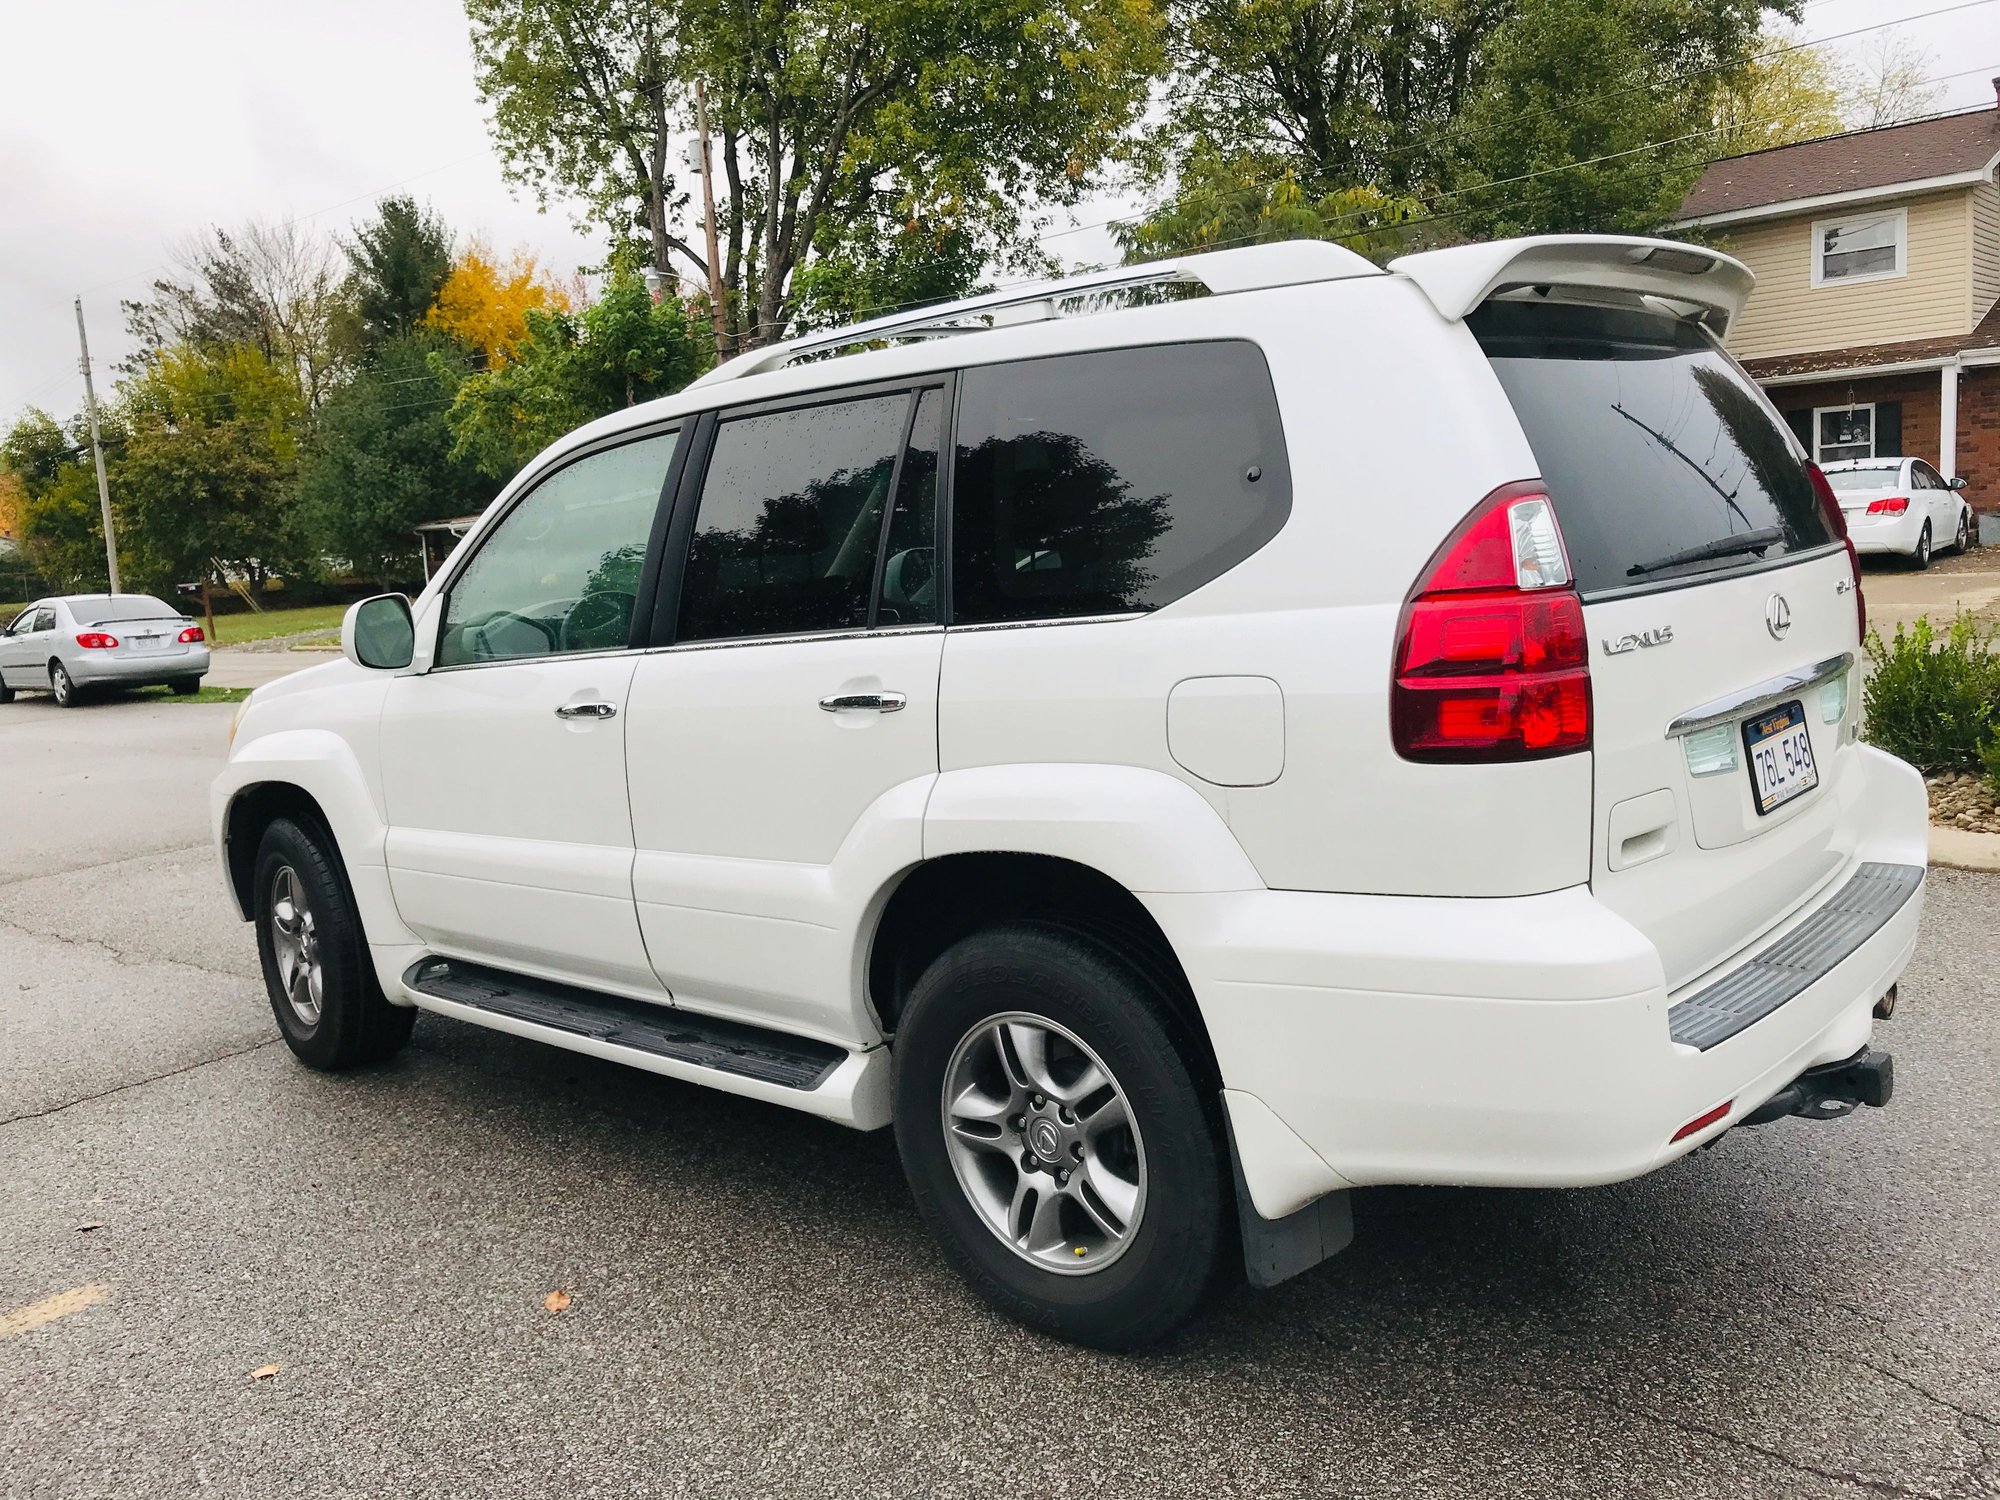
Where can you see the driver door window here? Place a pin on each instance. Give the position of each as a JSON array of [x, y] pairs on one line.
[[558, 574]]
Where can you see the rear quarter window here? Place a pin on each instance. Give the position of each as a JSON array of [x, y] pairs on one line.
[[1112, 482], [1661, 457]]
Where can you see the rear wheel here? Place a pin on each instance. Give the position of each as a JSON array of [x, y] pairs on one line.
[[185, 687], [315, 958], [1921, 558], [1055, 1139], [62, 686]]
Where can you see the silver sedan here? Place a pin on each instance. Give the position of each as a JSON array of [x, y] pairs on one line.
[[71, 644]]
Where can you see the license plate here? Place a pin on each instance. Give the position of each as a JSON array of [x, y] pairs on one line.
[[146, 642], [1779, 747]]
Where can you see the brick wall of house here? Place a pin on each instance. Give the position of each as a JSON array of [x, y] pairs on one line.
[[1919, 394], [1979, 436]]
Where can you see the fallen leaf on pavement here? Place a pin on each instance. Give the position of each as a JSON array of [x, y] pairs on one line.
[[86, 1228], [556, 1301], [263, 1372]]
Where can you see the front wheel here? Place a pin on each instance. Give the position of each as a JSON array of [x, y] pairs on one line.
[[323, 991], [1964, 538], [1056, 1139], [1921, 558]]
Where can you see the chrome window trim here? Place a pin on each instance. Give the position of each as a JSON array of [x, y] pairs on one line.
[[982, 625], [1766, 694], [524, 661], [859, 633]]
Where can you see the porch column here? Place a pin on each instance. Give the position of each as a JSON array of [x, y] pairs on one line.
[[1948, 420]]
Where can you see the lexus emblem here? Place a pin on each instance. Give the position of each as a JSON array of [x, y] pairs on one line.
[[1777, 617]]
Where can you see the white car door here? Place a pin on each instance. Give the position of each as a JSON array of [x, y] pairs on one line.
[[783, 742], [24, 647], [503, 755]]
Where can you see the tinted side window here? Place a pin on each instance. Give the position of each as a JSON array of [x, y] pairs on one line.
[[45, 618], [790, 520], [1112, 482], [1658, 452], [908, 595], [559, 572]]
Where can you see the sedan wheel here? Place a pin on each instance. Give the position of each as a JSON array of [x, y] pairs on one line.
[[61, 686], [1964, 533], [1921, 558]]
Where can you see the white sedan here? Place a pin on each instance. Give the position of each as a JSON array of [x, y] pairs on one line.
[[1901, 505]]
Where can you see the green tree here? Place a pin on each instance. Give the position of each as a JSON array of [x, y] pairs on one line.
[[879, 268], [379, 462], [206, 472], [57, 515], [622, 349], [398, 263], [829, 116], [1789, 91], [1255, 200]]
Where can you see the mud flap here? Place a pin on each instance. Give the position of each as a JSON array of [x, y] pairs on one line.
[[1276, 1250]]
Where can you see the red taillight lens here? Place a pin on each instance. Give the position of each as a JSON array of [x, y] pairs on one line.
[[192, 635], [1895, 505], [1491, 659], [96, 640], [1829, 504]]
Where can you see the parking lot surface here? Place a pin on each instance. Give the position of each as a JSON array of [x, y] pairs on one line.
[[1806, 1309]]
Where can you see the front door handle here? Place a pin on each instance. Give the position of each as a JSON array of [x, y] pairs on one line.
[[587, 711], [874, 703]]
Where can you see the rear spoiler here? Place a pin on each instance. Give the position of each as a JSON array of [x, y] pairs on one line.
[[1704, 282]]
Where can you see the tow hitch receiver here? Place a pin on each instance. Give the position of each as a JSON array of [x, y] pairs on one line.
[[1828, 1092]]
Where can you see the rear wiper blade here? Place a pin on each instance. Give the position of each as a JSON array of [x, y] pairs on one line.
[[1728, 546]]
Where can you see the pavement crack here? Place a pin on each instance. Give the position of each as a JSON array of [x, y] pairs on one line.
[[1751, 1445], [139, 1083], [119, 955], [104, 864]]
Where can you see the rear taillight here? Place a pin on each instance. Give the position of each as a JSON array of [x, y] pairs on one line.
[[1895, 505], [191, 636], [97, 640], [1491, 659], [1829, 504]]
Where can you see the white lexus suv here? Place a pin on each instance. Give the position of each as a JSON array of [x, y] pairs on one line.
[[1179, 743]]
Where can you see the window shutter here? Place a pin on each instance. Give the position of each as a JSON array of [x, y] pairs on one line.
[[1888, 429], [1801, 424]]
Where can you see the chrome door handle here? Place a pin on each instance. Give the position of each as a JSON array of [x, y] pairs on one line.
[[876, 703], [587, 711]]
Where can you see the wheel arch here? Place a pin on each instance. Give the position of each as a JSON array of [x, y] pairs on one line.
[[250, 811], [952, 896]]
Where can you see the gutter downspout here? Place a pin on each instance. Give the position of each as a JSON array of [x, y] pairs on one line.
[[1948, 420]]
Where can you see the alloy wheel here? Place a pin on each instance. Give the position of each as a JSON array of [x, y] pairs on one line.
[[295, 945], [1044, 1144], [61, 686]]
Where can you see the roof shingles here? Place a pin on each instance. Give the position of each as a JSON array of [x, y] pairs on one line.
[[1855, 162]]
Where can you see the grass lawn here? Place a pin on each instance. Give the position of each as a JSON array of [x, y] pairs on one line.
[[235, 629], [206, 695]]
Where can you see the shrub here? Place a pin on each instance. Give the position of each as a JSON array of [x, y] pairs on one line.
[[1935, 703]]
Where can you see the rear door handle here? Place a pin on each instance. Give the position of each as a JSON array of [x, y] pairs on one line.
[[587, 711], [874, 703]]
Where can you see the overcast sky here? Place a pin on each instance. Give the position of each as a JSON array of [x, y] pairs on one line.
[[128, 125]]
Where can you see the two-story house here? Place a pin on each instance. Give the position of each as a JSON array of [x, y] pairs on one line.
[[1875, 323]]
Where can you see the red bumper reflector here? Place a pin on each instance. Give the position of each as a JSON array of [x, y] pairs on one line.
[[1702, 1121]]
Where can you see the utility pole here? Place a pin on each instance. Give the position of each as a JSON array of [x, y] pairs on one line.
[[97, 451], [718, 314]]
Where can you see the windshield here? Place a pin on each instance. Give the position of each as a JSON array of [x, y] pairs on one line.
[[97, 609], [1662, 459], [1879, 477]]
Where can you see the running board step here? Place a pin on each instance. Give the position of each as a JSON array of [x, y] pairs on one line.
[[776, 1057]]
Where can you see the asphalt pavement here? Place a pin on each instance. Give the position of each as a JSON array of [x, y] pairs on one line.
[[1808, 1309]]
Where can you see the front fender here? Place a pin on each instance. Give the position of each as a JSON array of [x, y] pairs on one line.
[[1150, 832]]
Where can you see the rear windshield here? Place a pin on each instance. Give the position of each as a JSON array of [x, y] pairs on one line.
[[1660, 456], [1881, 477], [97, 609]]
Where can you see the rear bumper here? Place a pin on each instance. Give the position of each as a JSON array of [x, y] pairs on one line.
[[1889, 533], [137, 671], [1521, 1042]]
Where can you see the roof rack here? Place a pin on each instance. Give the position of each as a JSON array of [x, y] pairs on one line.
[[1217, 272]]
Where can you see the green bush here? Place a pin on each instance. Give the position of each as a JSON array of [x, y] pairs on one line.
[[1935, 703]]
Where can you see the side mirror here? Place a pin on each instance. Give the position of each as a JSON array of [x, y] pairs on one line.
[[379, 634], [1956, 482]]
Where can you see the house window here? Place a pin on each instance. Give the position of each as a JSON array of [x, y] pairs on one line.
[[1843, 432], [1867, 247]]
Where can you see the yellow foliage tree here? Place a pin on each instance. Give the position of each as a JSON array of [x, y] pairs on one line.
[[485, 304], [13, 506], [1787, 92]]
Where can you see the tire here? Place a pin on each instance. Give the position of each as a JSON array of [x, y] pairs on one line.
[[306, 919], [185, 687], [1090, 1004], [6, 693], [1921, 558], [1963, 543], [67, 694]]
